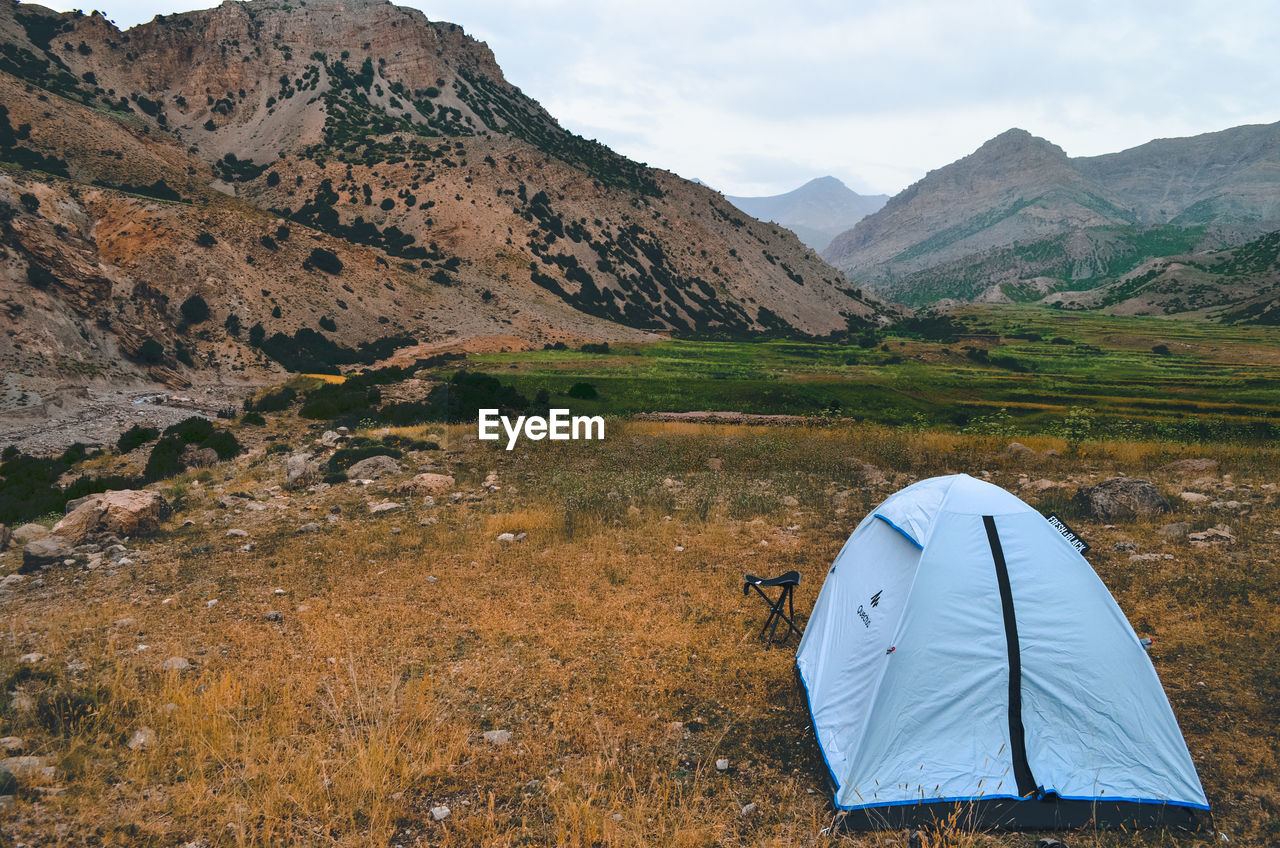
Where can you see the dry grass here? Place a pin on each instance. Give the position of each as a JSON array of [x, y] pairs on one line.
[[622, 666]]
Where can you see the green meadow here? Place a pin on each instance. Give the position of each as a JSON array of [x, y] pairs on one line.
[[1009, 370]]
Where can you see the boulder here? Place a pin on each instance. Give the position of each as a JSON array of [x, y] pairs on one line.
[[373, 468], [428, 484], [1120, 498], [1194, 497], [299, 471], [385, 506], [143, 737], [28, 533], [126, 512], [50, 550], [1175, 531], [1188, 467], [198, 457], [1017, 449]]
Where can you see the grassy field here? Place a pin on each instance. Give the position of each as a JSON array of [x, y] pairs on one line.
[[1214, 382], [613, 643]]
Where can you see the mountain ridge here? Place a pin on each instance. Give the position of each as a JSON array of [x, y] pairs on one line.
[[817, 211]]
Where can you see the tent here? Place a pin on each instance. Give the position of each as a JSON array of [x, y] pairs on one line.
[[963, 655]]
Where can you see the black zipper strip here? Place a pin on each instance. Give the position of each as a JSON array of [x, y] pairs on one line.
[[1017, 733]]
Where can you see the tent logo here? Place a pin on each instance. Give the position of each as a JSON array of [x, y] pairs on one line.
[[1070, 535], [875, 599], [862, 614]]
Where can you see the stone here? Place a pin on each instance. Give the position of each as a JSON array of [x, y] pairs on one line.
[[385, 506], [299, 471], [497, 737], [330, 438], [49, 550], [143, 737], [237, 533], [1216, 535], [274, 615], [1193, 497], [1121, 498], [124, 512], [715, 463], [198, 457], [427, 484], [1188, 467], [33, 658], [1017, 449], [373, 468], [29, 768], [11, 581], [440, 813], [722, 764], [749, 810], [506, 537], [28, 533], [13, 745], [176, 664], [790, 500], [309, 527]]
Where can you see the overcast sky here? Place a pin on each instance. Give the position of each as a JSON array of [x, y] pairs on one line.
[[757, 97]]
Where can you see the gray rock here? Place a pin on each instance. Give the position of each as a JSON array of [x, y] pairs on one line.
[[497, 737], [722, 764], [1121, 498], [49, 550], [28, 768], [274, 615], [11, 581], [1193, 497], [13, 745], [790, 500], [749, 810], [309, 527], [28, 533], [374, 468], [1188, 467], [506, 537], [440, 813], [299, 471], [237, 533], [143, 737], [34, 658], [1017, 449], [176, 664]]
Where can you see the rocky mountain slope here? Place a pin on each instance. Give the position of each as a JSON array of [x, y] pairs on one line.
[[216, 194], [817, 212], [1018, 219]]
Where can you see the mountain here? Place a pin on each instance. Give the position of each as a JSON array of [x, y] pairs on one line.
[[817, 212], [1018, 219], [216, 194]]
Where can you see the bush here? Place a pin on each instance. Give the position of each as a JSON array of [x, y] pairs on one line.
[[1161, 350], [135, 437], [151, 351], [194, 310], [206, 240], [592, 347], [582, 391], [254, 418], [327, 323], [165, 460], [325, 260], [273, 401], [29, 202]]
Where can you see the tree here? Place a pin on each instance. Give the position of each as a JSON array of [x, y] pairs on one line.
[[194, 310]]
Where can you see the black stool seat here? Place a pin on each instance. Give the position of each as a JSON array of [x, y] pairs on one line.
[[788, 583]]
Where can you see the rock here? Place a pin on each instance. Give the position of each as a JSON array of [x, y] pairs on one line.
[[28, 533], [440, 813], [1193, 497], [1121, 497], [50, 550], [176, 664], [6, 535], [790, 501], [344, 431], [1175, 531], [237, 533], [873, 476], [309, 527], [125, 512], [143, 737], [722, 765], [33, 658], [8, 784], [13, 745], [330, 438], [1217, 535], [1040, 485], [274, 615], [497, 737], [427, 484], [385, 506], [1017, 449], [1124, 547], [749, 810], [715, 463], [506, 537], [1188, 467], [374, 468], [1053, 452], [299, 471], [198, 457], [29, 768], [11, 581]]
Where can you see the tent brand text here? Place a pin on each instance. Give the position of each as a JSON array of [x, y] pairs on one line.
[[559, 425]]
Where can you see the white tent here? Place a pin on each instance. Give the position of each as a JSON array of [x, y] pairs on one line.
[[963, 651]]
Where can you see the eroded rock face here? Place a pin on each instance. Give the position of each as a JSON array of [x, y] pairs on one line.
[[127, 512], [373, 468], [1121, 498], [428, 484]]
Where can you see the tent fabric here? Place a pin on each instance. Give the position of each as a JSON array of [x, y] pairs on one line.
[[961, 650]]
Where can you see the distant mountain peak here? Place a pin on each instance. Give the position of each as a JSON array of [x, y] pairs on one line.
[[816, 211]]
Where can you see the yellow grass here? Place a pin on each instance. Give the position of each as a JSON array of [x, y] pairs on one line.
[[621, 666]]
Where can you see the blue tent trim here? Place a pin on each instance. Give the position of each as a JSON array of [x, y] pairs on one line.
[[905, 534]]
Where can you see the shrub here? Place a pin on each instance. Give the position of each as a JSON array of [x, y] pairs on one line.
[[165, 460], [254, 418], [194, 310], [273, 401], [325, 260], [135, 437], [582, 391], [273, 179], [327, 323], [1161, 350], [592, 347], [206, 240], [29, 202], [151, 351]]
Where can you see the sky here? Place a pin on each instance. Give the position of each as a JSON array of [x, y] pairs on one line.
[[756, 98]]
